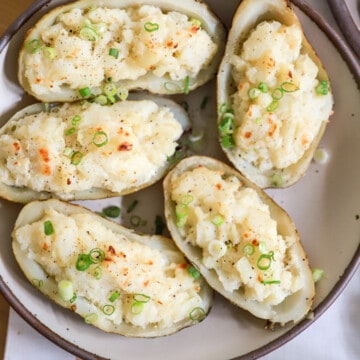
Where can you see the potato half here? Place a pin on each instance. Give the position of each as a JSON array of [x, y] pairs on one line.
[[274, 96], [162, 46], [117, 280], [79, 151], [242, 242]]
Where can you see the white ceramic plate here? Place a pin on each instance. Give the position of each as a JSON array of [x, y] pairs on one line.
[[325, 206]]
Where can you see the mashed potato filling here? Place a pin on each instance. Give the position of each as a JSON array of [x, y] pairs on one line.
[[92, 45], [276, 123], [77, 147], [149, 288], [238, 237]]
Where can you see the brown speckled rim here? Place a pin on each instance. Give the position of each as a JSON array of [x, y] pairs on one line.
[[354, 66], [346, 22]]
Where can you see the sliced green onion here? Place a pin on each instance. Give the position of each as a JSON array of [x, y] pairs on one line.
[[98, 272], [186, 85], [195, 22], [88, 33], [50, 52], [76, 158], [277, 94], [273, 106], [38, 283], [320, 156], [225, 108], [123, 93], [193, 272], [289, 86], [187, 199], [67, 151], [277, 180], [112, 211], [317, 274], [270, 282], [248, 249], [66, 289], [84, 92], [159, 225], [227, 141], [96, 255], [264, 262], [100, 28], [322, 88], [197, 314], [253, 93], [141, 298], [73, 299], [132, 206], [135, 220], [226, 125], [217, 248], [114, 296], [150, 27], [114, 52], [217, 219], [100, 138], [262, 247], [48, 227], [180, 222], [137, 308], [33, 46], [108, 309], [91, 318], [83, 262], [70, 131], [75, 120], [172, 87], [101, 100], [263, 87], [110, 89], [181, 210]]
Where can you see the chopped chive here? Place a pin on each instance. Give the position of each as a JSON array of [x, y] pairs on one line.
[[70, 131], [33, 46], [263, 87], [89, 34], [227, 141], [181, 210], [132, 206], [193, 272], [270, 282], [84, 92], [73, 299], [114, 296], [75, 120], [48, 227], [322, 88]]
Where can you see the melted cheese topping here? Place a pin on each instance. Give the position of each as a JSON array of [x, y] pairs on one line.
[[174, 46], [62, 151], [128, 267], [276, 139], [237, 235]]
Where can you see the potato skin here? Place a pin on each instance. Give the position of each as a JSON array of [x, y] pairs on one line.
[[247, 16], [294, 307], [193, 8], [34, 211]]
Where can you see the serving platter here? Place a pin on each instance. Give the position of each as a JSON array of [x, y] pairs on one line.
[[325, 206]]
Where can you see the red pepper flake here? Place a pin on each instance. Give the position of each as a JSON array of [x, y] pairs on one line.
[[44, 153], [16, 146], [122, 254], [111, 250], [197, 288], [194, 29], [255, 242], [290, 74], [259, 278], [159, 302], [68, 181], [45, 246], [146, 283], [125, 146], [150, 262], [125, 271], [109, 259], [246, 235], [183, 266], [38, 80], [73, 307], [247, 135], [272, 129], [218, 186]]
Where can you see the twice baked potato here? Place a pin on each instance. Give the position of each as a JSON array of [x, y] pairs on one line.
[[274, 96], [162, 46], [79, 151], [117, 280], [242, 242]]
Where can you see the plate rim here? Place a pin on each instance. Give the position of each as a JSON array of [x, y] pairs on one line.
[[354, 66]]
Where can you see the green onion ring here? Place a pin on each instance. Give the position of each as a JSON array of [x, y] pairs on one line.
[[98, 272], [264, 262], [273, 106], [248, 249], [100, 138], [48, 227], [84, 92], [142, 298], [150, 27], [263, 87], [277, 93], [114, 52], [76, 158], [289, 86], [114, 296], [197, 314], [33, 46], [112, 211], [91, 318], [83, 262], [96, 255], [137, 307], [253, 93], [108, 309]]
